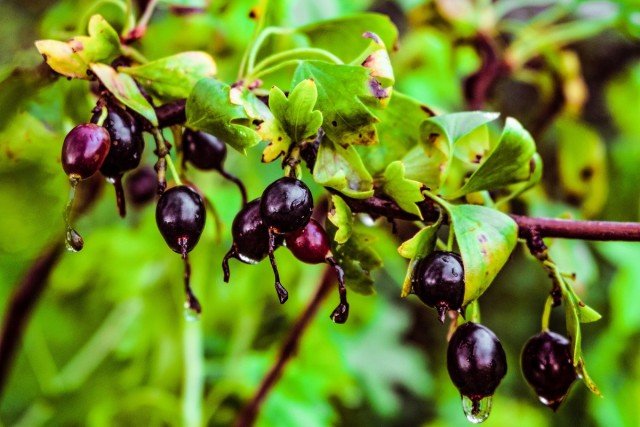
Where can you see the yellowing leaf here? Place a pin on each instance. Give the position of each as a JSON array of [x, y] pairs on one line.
[[342, 218]]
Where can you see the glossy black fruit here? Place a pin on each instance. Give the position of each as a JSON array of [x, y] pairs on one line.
[[547, 367], [127, 143], [250, 235], [84, 150], [202, 150], [180, 216], [476, 361], [286, 205], [438, 280], [141, 186], [309, 244]]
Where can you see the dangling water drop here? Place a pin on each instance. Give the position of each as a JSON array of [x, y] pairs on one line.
[[476, 410], [190, 314], [73, 239]]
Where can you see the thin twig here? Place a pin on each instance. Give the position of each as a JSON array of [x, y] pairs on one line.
[[289, 348]]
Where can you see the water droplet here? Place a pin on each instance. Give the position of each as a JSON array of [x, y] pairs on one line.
[[476, 410], [553, 404], [190, 314], [73, 241]]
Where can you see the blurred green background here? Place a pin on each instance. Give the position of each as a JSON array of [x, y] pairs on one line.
[[108, 343]]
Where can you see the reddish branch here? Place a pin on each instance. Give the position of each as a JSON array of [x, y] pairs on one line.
[[288, 350]]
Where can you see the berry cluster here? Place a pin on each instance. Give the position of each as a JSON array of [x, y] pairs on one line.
[[476, 360]]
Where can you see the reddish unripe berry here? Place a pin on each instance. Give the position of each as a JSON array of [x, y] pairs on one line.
[[309, 244], [84, 150]]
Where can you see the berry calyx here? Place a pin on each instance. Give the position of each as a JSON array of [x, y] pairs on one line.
[[207, 152], [547, 367], [286, 205], [438, 280], [476, 363], [84, 150], [311, 245], [180, 216]]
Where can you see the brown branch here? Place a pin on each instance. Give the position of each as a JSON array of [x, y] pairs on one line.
[[289, 348], [479, 84], [28, 291]]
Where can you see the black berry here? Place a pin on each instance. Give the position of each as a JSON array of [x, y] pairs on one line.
[[547, 367], [438, 280], [141, 186], [127, 143], [309, 244], [207, 152], [286, 205], [84, 150], [180, 216], [476, 361]]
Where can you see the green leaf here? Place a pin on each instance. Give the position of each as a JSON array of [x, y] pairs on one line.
[[406, 193], [210, 109], [340, 216], [344, 96], [124, 88], [486, 238], [425, 167], [572, 320], [588, 314], [294, 119], [342, 169], [74, 58], [452, 127], [357, 257], [343, 36], [376, 59], [398, 132], [175, 76], [416, 248], [505, 164], [591, 385], [582, 165]]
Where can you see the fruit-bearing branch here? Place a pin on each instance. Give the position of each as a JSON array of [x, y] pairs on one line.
[[174, 113]]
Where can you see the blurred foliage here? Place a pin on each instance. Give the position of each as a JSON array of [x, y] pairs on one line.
[[108, 343]]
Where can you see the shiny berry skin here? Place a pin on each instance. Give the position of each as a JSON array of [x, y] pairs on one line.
[[202, 150], [250, 234], [180, 216], [547, 367], [84, 150], [286, 205], [141, 186], [476, 361], [309, 244], [438, 280], [127, 143]]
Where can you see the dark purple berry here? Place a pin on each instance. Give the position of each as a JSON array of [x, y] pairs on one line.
[[180, 216], [202, 150], [84, 150], [127, 143], [286, 205], [476, 361], [141, 186], [547, 367], [207, 152], [438, 280], [309, 244]]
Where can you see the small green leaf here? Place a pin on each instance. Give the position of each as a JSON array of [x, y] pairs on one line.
[[486, 238], [357, 257], [342, 169], [344, 96], [453, 127], [175, 76], [342, 218], [588, 314], [406, 193], [591, 385], [505, 164], [124, 88], [572, 320], [416, 248], [343, 36], [294, 119], [210, 109], [74, 58]]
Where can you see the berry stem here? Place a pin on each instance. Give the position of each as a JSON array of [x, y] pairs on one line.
[[259, 41], [233, 253], [546, 313], [341, 312], [103, 116], [120, 199], [283, 295], [229, 177], [192, 302], [451, 238]]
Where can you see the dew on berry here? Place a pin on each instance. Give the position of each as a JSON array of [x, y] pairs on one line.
[[207, 152], [180, 216], [438, 280], [477, 411]]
